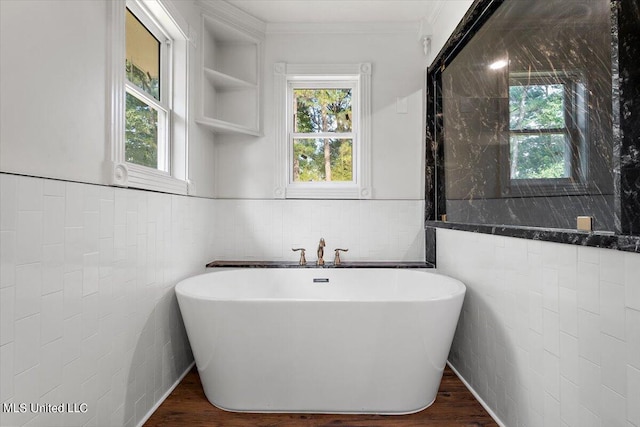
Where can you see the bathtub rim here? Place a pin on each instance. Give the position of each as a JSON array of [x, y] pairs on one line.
[[459, 289]]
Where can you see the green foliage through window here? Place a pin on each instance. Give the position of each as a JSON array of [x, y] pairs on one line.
[[143, 79], [538, 139], [141, 133], [142, 70], [538, 156], [310, 159], [323, 111]]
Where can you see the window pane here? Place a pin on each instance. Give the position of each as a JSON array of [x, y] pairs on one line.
[[539, 156], [322, 110], [536, 106], [141, 133], [322, 159], [142, 57]]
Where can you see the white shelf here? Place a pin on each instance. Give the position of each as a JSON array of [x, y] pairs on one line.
[[221, 126], [230, 79], [221, 80]]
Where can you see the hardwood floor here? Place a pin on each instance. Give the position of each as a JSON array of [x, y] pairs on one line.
[[188, 406]]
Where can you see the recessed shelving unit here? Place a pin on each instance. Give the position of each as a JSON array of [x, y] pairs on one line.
[[231, 74]]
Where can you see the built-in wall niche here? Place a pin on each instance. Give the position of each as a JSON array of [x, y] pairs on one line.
[[231, 77], [533, 120]]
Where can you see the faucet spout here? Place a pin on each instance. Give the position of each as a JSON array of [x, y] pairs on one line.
[[321, 246]]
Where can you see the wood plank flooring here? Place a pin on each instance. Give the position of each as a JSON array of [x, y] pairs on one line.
[[455, 406]]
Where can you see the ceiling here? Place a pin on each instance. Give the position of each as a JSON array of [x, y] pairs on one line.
[[340, 11]]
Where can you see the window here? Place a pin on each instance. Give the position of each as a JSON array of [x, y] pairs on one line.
[[149, 96], [546, 133], [147, 87], [322, 131], [323, 137]]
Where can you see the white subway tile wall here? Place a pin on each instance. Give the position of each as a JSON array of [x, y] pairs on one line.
[[372, 230], [549, 333], [87, 308], [88, 312]]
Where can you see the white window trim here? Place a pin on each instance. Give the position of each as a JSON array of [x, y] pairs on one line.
[[360, 187], [118, 171], [162, 105]]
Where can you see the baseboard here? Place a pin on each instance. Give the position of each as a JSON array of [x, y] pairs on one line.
[[477, 396], [164, 396]]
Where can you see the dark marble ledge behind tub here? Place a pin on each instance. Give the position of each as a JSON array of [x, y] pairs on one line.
[[573, 237], [352, 264]]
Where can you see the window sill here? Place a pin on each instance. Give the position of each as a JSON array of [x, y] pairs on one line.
[[545, 187], [136, 176], [323, 190]]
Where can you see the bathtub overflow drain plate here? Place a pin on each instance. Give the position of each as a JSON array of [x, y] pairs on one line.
[[320, 280]]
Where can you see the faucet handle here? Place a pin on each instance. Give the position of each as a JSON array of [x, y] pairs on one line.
[[336, 260], [303, 260]]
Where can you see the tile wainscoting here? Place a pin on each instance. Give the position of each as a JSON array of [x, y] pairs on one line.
[[549, 333], [88, 312], [88, 309], [372, 230]]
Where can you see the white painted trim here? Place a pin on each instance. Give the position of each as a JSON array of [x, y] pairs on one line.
[[170, 17], [341, 28], [351, 191], [237, 28], [117, 171], [477, 396], [234, 17], [115, 174], [155, 180], [437, 10], [280, 129], [361, 188], [165, 396]]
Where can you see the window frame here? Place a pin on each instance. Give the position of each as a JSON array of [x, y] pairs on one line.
[[576, 135], [162, 105], [159, 17], [328, 83], [358, 78]]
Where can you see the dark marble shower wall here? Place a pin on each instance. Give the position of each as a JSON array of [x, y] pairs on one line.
[[627, 114], [543, 43], [468, 166]]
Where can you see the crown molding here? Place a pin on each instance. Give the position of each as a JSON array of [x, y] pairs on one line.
[[231, 15], [341, 28], [436, 12]]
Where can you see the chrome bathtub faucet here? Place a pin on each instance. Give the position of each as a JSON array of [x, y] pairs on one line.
[[321, 246]]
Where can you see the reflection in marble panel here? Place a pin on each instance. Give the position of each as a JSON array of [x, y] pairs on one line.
[[527, 108]]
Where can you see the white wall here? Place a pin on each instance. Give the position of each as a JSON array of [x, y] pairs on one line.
[[390, 227], [54, 92], [88, 310], [52, 79], [87, 271], [549, 333], [446, 20], [398, 70], [372, 230]]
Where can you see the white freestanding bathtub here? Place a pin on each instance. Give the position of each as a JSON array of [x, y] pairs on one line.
[[332, 340]]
